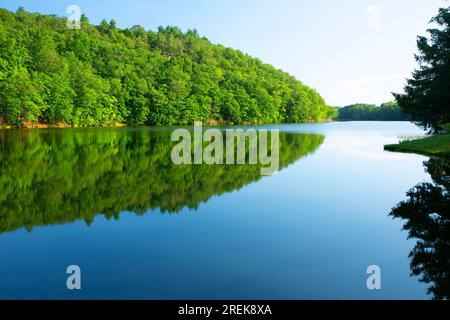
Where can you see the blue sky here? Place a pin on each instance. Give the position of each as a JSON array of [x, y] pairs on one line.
[[349, 50]]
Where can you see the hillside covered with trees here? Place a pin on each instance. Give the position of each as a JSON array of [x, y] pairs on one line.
[[370, 112], [103, 75]]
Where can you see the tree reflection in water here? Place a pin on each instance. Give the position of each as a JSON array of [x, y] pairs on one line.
[[52, 177], [427, 215]]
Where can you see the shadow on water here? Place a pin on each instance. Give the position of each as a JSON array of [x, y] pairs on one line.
[[50, 177], [426, 212]]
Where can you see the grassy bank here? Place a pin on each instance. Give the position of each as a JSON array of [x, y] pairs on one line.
[[431, 146]]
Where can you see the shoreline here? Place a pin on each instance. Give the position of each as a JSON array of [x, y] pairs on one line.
[[124, 125], [432, 146]]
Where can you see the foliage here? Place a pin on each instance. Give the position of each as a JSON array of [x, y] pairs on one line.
[[369, 112], [445, 127], [427, 95], [100, 75]]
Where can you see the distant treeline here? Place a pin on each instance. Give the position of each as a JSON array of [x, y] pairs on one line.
[[102, 75], [369, 112]]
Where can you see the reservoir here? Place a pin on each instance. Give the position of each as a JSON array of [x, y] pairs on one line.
[[140, 227]]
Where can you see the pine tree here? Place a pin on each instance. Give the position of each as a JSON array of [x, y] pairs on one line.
[[427, 94]]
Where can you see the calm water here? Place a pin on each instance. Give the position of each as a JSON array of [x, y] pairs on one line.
[[111, 201]]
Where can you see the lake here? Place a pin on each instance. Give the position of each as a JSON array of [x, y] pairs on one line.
[[140, 227]]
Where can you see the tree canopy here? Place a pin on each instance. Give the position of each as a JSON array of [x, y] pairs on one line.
[[370, 112], [101, 75], [427, 94]]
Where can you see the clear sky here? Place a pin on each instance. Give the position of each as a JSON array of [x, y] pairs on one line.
[[349, 50]]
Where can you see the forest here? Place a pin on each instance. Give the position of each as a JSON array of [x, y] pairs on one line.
[[103, 76], [369, 112]]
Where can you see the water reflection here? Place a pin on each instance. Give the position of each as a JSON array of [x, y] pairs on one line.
[[427, 215], [52, 177]]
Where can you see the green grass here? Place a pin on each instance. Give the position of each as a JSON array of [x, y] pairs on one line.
[[432, 146]]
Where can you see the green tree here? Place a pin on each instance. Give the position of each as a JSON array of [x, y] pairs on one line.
[[368, 112], [427, 95], [100, 75], [20, 100]]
